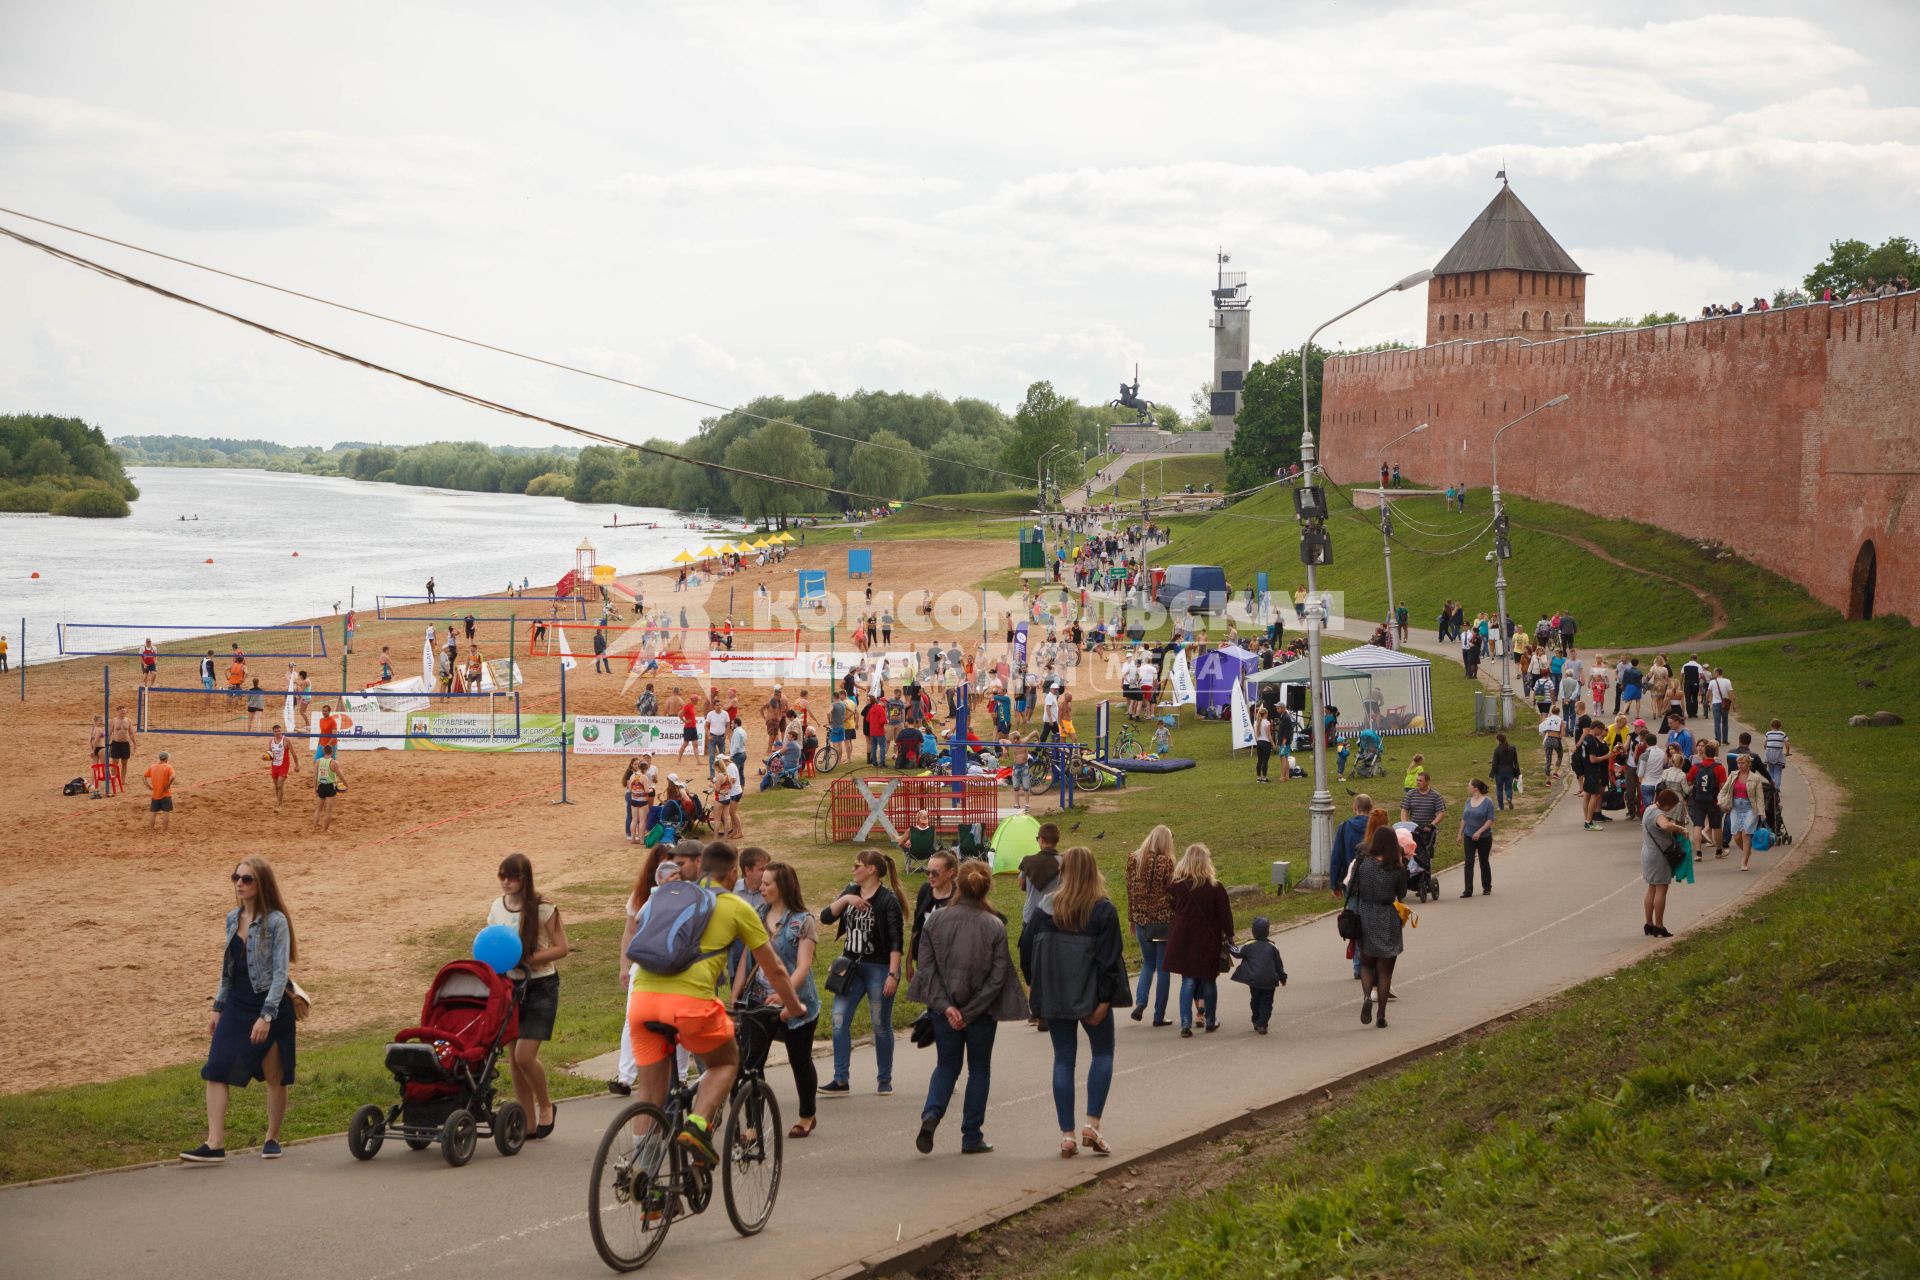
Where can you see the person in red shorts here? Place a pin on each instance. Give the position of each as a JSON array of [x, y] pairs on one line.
[[281, 758], [689, 1001]]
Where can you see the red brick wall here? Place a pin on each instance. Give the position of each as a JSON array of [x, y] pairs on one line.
[[1792, 436], [1474, 305]]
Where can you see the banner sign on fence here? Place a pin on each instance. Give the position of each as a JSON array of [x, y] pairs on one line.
[[626, 735]]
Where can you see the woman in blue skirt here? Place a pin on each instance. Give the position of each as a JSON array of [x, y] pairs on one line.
[[252, 1026]]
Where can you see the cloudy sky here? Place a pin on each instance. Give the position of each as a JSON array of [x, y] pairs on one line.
[[737, 198]]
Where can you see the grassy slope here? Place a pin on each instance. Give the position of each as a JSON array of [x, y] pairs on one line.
[[924, 522], [1743, 1104], [1171, 476], [1441, 559]]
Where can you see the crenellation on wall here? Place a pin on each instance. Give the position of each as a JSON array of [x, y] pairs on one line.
[[1791, 435]]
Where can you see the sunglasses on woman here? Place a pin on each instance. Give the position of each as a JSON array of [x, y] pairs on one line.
[[507, 877], [241, 877]]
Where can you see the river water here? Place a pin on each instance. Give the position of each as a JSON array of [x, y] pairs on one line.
[[355, 540]]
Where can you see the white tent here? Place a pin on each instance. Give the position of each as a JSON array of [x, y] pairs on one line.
[[1398, 695]]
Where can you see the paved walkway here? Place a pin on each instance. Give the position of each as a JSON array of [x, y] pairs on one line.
[[1565, 909]]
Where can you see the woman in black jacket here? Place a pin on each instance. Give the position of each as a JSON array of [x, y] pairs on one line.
[[1379, 882], [1079, 974], [1505, 768], [871, 930], [966, 980]]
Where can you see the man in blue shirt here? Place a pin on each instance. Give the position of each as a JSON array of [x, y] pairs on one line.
[[1346, 847], [1678, 736]]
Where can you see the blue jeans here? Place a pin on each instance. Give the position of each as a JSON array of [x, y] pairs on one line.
[[1207, 993], [1153, 956], [1720, 722], [1066, 1045], [877, 752], [974, 1042], [1503, 790], [1262, 1005], [868, 981]]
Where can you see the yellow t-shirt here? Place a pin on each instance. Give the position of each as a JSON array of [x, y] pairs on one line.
[[732, 920]]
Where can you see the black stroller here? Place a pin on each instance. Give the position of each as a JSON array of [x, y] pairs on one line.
[[1776, 818], [1420, 878]]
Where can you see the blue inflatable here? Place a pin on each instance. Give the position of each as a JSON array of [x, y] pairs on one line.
[[1762, 840], [498, 947]]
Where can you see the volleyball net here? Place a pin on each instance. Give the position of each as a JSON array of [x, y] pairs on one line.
[[379, 713], [571, 607], [128, 639], [744, 653]]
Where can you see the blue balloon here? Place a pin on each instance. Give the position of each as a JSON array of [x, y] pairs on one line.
[[1762, 840], [498, 947]]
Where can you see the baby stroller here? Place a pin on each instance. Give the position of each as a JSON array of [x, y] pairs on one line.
[[446, 1068], [1368, 752], [1420, 877], [1776, 820]]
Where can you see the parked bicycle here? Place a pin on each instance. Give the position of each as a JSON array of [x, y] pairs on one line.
[[643, 1179]]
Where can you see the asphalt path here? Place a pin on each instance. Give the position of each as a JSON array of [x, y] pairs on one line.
[[1565, 908]]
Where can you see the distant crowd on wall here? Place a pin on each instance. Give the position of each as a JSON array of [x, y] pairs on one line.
[[1873, 288]]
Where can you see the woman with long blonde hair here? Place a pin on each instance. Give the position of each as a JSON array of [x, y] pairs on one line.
[[1079, 974], [1202, 927], [1150, 916], [252, 1029]]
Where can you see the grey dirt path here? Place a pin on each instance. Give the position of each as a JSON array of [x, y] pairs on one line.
[[1566, 905]]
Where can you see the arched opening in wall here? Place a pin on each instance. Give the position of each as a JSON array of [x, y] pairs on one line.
[[1566, 321], [1866, 572], [1526, 320]]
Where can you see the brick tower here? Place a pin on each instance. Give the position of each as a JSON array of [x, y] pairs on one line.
[[1507, 277]]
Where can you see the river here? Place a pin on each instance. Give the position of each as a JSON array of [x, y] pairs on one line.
[[355, 540]]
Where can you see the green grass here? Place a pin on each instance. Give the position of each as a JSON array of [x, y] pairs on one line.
[[1170, 476], [1438, 555], [926, 522], [1743, 1104]]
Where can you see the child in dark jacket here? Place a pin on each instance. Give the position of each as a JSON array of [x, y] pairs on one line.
[[1262, 970]]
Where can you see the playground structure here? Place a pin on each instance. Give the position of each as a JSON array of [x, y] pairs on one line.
[[125, 639], [360, 714]]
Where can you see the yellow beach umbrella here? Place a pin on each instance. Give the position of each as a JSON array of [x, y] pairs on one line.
[[760, 545], [707, 552], [783, 536], [685, 557]]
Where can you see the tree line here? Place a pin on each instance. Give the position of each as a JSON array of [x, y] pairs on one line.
[[60, 466]]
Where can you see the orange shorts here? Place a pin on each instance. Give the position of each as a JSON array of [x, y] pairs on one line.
[[704, 1024]]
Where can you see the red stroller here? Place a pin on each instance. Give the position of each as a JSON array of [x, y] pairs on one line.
[[446, 1069]]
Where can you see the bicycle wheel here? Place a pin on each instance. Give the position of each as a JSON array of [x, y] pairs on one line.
[[826, 759], [751, 1176], [1089, 778], [630, 1201]]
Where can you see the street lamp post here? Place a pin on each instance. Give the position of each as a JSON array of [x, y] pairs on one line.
[[1320, 807], [1500, 554], [1386, 526]]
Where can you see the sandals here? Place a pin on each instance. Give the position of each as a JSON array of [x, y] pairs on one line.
[[802, 1128], [1090, 1139], [1068, 1147]]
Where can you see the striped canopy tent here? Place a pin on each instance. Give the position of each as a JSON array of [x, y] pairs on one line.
[[1398, 696]]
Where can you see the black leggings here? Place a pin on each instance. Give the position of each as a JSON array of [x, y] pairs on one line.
[[806, 1079], [1262, 752], [1482, 848], [1376, 978]]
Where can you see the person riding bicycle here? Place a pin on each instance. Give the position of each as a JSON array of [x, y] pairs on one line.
[[688, 1000]]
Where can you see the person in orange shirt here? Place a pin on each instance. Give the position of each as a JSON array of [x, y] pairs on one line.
[[329, 727], [237, 676], [160, 783]]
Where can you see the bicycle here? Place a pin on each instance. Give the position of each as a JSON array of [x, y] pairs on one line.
[[826, 757], [1128, 746], [642, 1178]]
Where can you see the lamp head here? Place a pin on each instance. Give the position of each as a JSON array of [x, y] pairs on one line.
[[1560, 399], [1419, 277], [1417, 430]]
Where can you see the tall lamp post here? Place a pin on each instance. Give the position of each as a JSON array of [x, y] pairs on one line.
[[1386, 524], [1501, 552], [1320, 807]]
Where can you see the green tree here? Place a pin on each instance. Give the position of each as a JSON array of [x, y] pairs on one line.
[[1267, 430], [781, 450], [1851, 262], [887, 465], [44, 457], [1045, 419]]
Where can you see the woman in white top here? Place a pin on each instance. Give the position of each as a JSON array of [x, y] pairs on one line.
[[1262, 742], [543, 940]]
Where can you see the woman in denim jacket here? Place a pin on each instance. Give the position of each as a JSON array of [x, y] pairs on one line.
[[252, 1024]]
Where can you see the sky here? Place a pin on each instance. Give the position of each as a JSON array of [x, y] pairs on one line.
[[731, 200]]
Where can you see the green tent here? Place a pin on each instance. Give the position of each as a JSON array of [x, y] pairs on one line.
[[1016, 837]]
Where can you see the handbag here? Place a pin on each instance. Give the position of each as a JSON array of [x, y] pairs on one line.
[[1348, 922], [302, 1002], [1158, 931], [839, 974], [1226, 955], [921, 1033]]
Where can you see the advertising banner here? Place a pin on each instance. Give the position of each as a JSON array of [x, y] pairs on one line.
[[541, 732], [627, 735]]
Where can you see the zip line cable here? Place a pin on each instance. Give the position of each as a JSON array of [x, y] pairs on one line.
[[454, 393], [499, 350]]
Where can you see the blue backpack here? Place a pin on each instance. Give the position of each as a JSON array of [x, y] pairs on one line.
[[666, 938]]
